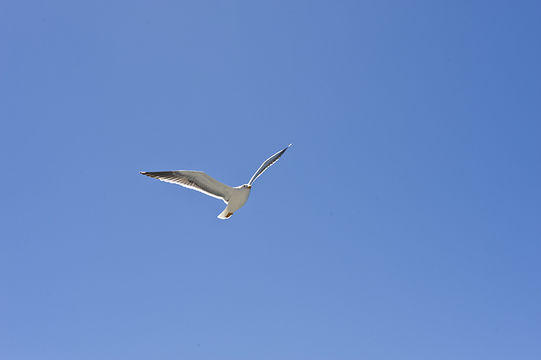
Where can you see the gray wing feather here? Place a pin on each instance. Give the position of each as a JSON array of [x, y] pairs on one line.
[[196, 180], [267, 164]]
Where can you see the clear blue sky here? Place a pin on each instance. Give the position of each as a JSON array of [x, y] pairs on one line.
[[404, 223]]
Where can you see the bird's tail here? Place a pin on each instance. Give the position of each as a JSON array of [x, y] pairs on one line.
[[226, 214]]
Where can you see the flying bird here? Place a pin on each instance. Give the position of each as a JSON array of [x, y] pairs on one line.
[[234, 197]]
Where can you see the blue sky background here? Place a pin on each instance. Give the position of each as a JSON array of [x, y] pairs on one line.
[[404, 223]]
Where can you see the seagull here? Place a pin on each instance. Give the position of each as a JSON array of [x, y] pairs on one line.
[[234, 197]]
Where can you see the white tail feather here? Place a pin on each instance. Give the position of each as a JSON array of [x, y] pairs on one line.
[[226, 214]]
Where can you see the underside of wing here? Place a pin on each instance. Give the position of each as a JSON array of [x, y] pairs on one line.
[[267, 164], [196, 180]]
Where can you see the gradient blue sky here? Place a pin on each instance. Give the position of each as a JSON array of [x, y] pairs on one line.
[[404, 223]]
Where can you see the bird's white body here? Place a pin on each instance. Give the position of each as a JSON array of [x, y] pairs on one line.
[[234, 197], [239, 196]]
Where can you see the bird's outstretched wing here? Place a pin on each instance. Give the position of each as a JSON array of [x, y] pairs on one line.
[[267, 164], [196, 180]]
